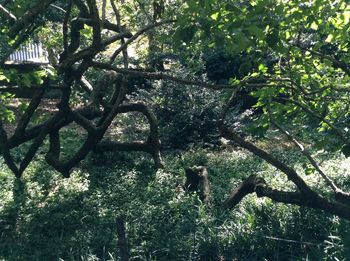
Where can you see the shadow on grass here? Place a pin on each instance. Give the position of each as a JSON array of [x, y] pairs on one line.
[[65, 225], [50, 218]]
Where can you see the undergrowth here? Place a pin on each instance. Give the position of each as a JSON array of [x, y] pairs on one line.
[[46, 217]]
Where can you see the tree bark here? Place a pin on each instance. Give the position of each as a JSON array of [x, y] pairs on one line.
[[197, 179], [258, 185], [29, 17], [122, 241]]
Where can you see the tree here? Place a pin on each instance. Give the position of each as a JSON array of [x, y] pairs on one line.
[[300, 75], [82, 47], [306, 82], [75, 59]]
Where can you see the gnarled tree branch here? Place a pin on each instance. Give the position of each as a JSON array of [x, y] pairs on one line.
[[254, 184], [7, 14], [29, 17]]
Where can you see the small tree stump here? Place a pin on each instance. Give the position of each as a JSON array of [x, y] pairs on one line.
[[122, 242], [197, 179]]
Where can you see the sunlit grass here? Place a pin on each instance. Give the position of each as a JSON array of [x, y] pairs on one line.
[[51, 218]]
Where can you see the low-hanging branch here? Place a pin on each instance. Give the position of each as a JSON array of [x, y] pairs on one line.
[[339, 132], [247, 83], [291, 173], [97, 115], [336, 62], [152, 145], [137, 35], [107, 25], [7, 14], [122, 41], [90, 51], [339, 194], [82, 117], [24, 120], [5, 151], [303, 196], [161, 76], [255, 184], [29, 17]]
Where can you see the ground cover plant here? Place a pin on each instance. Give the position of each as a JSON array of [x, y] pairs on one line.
[[250, 99], [46, 217]]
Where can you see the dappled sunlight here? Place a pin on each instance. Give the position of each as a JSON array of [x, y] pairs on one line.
[[168, 130]]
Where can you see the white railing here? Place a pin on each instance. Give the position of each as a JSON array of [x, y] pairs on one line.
[[32, 52]]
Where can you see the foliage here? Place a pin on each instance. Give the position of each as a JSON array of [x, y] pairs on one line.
[[308, 48], [245, 70], [5, 113], [186, 116], [44, 217]]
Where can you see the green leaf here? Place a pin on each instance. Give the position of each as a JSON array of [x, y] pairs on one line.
[[192, 4], [26, 80], [314, 26], [262, 68], [329, 38], [4, 78], [309, 171], [242, 42], [184, 34], [87, 31], [128, 9], [256, 31], [272, 38], [51, 72], [279, 9], [215, 16]]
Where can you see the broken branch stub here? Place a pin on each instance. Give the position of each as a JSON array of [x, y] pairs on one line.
[[197, 179]]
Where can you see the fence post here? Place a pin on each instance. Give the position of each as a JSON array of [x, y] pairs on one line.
[[122, 241]]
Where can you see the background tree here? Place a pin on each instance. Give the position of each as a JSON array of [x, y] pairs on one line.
[[307, 82], [124, 75], [75, 59], [297, 72]]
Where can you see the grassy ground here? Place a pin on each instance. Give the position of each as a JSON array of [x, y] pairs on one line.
[[46, 217]]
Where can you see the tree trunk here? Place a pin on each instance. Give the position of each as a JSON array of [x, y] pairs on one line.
[[197, 179]]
